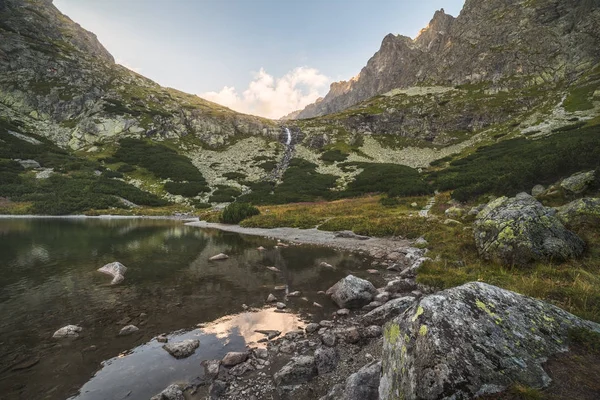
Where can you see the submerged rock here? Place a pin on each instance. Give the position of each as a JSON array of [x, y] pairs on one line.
[[352, 292], [173, 392], [454, 343], [182, 349], [69, 331], [218, 257], [116, 270], [128, 330], [299, 370], [520, 229]]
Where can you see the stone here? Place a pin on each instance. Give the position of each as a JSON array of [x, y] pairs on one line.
[[162, 339], [326, 359], [373, 271], [372, 305], [260, 248], [454, 212], [389, 310], [326, 265], [128, 330], [29, 164], [116, 270], [234, 358], [182, 349], [261, 353], [271, 298], [211, 368], [317, 305], [219, 257], [299, 370], [520, 230], [343, 312], [452, 222], [241, 369], [173, 392], [382, 297], [326, 323], [580, 212], [453, 343], [296, 293], [281, 306], [537, 190], [328, 339], [44, 173], [216, 389], [579, 182], [274, 269], [372, 331], [400, 286], [352, 292], [69, 331], [362, 385], [350, 335], [350, 235], [312, 327]]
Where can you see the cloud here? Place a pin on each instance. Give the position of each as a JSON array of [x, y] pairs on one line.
[[272, 97]]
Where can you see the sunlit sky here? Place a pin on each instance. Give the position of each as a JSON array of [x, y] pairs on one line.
[[262, 57]]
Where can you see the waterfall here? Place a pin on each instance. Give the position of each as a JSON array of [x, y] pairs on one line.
[[289, 136]]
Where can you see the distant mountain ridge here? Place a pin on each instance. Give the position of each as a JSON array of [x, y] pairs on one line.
[[490, 41]]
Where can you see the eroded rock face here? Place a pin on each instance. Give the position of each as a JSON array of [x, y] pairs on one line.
[[116, 270], [520, 229], [584, 211], [454, 343], [352, 292]]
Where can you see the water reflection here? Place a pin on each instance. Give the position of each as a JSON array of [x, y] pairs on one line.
[[49, 280]]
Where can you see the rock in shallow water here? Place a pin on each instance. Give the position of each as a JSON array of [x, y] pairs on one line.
[[454, 343], [352, 292], [182, 349], [69, 331], [234, 358], [520, 229], [219, 257], [116, 270], [128, 330]]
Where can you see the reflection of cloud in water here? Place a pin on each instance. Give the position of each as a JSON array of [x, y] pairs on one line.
[[246, 324], [149, 368]]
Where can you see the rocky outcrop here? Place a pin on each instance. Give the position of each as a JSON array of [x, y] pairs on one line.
[[519, 230], [472, 340], [552, 40], [352, 292], [579, 212]]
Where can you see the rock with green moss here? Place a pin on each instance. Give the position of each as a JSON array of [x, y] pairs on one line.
[[584, 211], [472, 340], [579, 182], [519, 230]]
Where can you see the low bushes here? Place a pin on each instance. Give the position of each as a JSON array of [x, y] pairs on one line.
[[186, 189], [237, 212]]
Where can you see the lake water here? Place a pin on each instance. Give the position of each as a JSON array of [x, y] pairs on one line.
[[49, 279]]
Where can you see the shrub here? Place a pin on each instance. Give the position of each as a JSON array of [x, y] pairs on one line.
[[126, 168], [236, 212], [186, 189], [234, 175], [112, 174], [393, 179], [334, 155]]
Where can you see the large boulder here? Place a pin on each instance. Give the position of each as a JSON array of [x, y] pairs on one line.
[[116, 270], [472, 340], [584, 211], [299, 370], [352, 292], [579, 182], [519, 230]]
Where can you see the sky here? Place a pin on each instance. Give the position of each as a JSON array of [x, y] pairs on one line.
[[261, 57]]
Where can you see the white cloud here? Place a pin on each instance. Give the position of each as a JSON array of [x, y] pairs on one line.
[[272, 97]]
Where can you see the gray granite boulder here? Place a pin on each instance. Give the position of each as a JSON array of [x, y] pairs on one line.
[[352, 292], [69, 331], [299, 370], [116, 270], [453, 344], [182, 349], [519, 230]]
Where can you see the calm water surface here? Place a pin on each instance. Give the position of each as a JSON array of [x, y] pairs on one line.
[[49, 280]]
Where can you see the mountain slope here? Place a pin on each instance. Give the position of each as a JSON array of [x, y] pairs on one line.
[[529, 41]]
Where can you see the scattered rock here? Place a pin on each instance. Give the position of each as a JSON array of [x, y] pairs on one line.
[[389, 310], [352, 292], [69, 331], [261, 353], [317, 304], [578, 183], [362, 385], [162, 339], [452, 222], [520, 229], [182, 349], [343, 312], [312, 327], [128, 330], [234, 358], [29, 164], [241, 369], [173, 392], [326, 265], [281, 306], [326, 323], [453, 343], [537, 190], [274, 269], [45, 173], [211, 368], [297, 293], [116, 270], [287, 347], [299, 370], [261, 248], [454, 212], [217, 388], [400, 286], [328, 339], [372, 305], [350, 335], [326, 359], [219, 257], [382, 297], [584, 211], [372, 331], [350, 235], [373, 271], [271, 298]]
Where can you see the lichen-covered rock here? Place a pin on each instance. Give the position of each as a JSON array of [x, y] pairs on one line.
[[116, 270], [173, 392], [352, 292], [472, 340], [389, 310], [584, 211], [520, 229], [182, 349], [299, 370], [537, 190], [579, 182]]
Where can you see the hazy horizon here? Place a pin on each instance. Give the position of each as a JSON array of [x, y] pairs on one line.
[[265, 58]]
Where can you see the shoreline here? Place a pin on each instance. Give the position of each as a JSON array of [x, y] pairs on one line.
[[106, 216]]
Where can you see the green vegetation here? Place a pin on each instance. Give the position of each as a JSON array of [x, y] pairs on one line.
[[224, 194], [234, 176], [393, 179], [237, 212], [334, 155], [515, 165], [186, 189]]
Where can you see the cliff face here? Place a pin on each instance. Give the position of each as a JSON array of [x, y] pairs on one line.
[[492, 40], [57, 79]]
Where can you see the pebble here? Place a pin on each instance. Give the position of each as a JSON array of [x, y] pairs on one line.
[[281, 306]]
